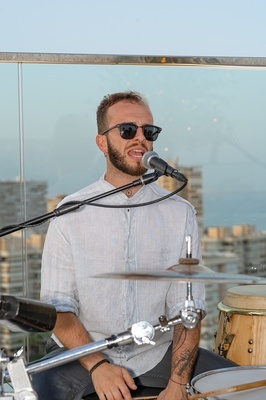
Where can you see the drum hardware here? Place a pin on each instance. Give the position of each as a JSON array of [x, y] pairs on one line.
[[250, 350], [224, 346], [189, 314], [20, 380], [22, 315], [17, 372], [164, 323], [226, 339]]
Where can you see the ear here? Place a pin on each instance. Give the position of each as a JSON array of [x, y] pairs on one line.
[[101, 142]]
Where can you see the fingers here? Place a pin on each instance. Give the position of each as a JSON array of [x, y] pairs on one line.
[[129, 380], [116, 393], [113, 383]]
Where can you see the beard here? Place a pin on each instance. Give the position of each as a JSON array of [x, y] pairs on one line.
[[119, 162]]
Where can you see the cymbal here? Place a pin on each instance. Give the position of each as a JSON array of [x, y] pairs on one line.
[[185, 273]]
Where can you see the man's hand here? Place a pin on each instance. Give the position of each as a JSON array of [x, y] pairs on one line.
[[173, 391], [112, 382]]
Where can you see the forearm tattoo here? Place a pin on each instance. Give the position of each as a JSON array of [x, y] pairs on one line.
[[185, 348]]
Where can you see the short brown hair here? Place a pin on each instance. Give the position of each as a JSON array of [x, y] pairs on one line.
[[111, 99]]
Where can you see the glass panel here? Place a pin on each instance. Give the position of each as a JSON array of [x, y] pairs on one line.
[[9, 125], [213, 129], [211, 117]]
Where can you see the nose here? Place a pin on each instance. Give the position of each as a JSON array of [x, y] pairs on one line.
[[139, 135]]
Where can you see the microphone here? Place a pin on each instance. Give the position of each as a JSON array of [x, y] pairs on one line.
[[151, 159]]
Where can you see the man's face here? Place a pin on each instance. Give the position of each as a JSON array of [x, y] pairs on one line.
[[126, 155]]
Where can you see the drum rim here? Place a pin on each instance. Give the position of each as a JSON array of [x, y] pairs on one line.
[[222, 370], [235, 310]]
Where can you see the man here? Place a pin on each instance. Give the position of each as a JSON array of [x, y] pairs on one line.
[[94, 240]]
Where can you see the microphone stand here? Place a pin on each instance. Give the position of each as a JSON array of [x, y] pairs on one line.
[[74, 205]]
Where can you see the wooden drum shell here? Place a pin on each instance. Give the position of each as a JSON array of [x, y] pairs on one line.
[[241, 334]]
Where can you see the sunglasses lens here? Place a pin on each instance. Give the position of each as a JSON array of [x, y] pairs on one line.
[[150, 132], [128, 131]]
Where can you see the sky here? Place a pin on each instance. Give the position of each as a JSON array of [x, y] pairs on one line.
[[151, 27]]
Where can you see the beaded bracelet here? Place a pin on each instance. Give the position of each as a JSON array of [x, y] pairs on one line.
[[97, 365]]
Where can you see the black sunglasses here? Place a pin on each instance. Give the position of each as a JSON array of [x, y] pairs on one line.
[[128, 131]]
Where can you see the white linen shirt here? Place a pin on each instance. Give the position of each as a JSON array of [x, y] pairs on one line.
[[95, 240]]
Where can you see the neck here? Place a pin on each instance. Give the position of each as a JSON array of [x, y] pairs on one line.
[[120, 179]]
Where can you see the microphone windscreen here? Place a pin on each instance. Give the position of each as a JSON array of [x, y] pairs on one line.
[[146, 158]]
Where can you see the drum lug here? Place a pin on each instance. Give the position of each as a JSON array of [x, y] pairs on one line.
[[225, 344]]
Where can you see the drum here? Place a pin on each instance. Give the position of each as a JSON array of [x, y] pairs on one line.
[[242, 325], [229, 377]]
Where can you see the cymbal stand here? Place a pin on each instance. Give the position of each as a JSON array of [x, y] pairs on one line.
[[189, 314]]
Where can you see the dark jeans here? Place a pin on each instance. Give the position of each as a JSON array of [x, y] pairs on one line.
[[71, 381]]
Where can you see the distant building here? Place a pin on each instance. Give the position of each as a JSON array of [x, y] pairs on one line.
[[20, 251], [193, 190], [19, 278], [248, 244], [12, 199], [53, 202]]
